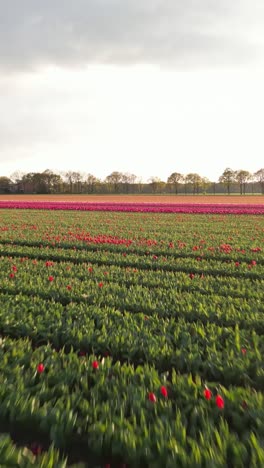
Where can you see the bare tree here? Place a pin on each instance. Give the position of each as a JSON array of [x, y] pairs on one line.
[[16, 179], [140, 184], [174, 179], [242, 177], [114, 180], [227, 178], [205, 184], [17, 176], [259, 177], [74, 179], [51, 180], [157, 185], [91, 182], [194, 180], [128, 180]]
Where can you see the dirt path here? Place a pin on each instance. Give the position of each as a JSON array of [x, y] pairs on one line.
[[217, 199]]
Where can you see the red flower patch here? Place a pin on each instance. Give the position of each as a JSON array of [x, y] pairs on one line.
[[152, 397], [207, 394], [36, 449], [164, 391], [40, 368], [219, 402]]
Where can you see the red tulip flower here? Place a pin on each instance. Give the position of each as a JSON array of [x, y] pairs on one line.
[[164, 391], [95, 365], [40, 368], [243, 351], [36, 449], [100, 284], [207, 394], [12, 275], [219, 402], [51, 278], [191, 275], [69, 287], [152, 397]]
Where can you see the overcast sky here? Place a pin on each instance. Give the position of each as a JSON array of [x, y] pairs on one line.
[[148, 87]]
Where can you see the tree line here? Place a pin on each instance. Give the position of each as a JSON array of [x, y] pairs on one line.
[[230, 181]]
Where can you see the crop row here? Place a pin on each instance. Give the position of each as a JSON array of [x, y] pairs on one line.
[[158, 290], [252, 270], [132, 415], [166, 233], [237, 257], [135, 298], [191, 280], [234, 209], [224, 354]]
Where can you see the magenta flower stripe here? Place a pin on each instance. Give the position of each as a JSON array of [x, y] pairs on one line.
[[257, 209]]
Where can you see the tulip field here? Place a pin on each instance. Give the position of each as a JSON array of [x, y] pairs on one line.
[[131, 336]]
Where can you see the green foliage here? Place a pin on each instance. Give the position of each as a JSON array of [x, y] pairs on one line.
[[155, 301]]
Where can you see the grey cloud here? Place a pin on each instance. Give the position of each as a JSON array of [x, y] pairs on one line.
[[80, 32], [27, 132]]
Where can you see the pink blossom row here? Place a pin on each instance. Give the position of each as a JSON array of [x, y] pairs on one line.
[[138, 207]]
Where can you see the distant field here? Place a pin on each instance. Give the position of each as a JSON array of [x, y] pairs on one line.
[[218, 199]]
